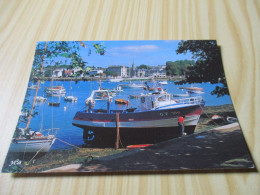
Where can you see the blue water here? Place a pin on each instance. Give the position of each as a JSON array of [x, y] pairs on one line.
[[62, 118]]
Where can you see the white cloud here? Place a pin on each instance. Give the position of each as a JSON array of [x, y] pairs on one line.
[[139, 48]]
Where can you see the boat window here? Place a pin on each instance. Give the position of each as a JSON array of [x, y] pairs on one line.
[[142, 99], [162, 98]]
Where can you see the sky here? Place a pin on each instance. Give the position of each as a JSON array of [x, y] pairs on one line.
[[152, 53], [140, 52]]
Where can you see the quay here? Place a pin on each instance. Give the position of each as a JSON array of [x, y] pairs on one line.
[[222, 148]]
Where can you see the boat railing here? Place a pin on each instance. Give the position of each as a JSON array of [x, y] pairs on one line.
[[191, 100]]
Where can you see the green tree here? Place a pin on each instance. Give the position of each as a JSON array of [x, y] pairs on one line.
[[208, 66], [59, 53], [143, 66], [179, 67]]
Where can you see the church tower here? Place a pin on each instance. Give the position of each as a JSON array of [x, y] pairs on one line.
[[133, 69]]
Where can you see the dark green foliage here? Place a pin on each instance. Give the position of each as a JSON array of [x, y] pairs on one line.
[[208, 66], [143, 66], [179, 67]]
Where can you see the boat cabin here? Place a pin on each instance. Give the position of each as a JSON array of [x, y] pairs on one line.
[[155, 100]]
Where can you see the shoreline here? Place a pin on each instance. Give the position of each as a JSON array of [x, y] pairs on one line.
[[101, 78], [66, 156]]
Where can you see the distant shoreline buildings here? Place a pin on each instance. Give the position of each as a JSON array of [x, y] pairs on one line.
[[112, 71]]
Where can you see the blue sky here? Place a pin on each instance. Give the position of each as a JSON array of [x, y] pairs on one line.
[[141, 52]]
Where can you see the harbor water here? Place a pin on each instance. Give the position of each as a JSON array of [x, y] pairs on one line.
[[61, 117]]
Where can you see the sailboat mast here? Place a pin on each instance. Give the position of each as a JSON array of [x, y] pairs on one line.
[[36, 92]]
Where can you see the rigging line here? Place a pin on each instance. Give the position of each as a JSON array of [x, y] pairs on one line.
[[33, 157], [208, 115], [68, 143]]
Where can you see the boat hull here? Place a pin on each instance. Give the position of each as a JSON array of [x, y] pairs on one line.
[[106, 138], [31, 146], [136, 128]]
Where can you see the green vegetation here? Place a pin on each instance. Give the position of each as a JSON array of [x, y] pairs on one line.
[[178, 68], [62, 54], [143, 66]]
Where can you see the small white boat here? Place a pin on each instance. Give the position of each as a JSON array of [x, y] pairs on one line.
[[217, 118], [41, 99], [70, 98], [195, 92], [60, 92], [133, 85], [115, 80], [181, 95], [33, 87], [232, 119], [56, 91], [117, 90], [192, 88], [163, 82]]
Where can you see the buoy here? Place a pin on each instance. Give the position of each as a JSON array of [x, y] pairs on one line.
[[65, 108]]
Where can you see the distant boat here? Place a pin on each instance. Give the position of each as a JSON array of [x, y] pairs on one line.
[[70, 98], [41, 99], [116, 80], [181, 95], [163, 82], [232, 119], [217, 118], [33, 87], [133, 85], [192, 88], [195, 92], [56, 104], [117, 90], [56, 91]]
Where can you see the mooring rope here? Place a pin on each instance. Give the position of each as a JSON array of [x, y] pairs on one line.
[[68, 143]]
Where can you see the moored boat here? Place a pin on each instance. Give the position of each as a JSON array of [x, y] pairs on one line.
[[70, 98], [116, 79], [155, 120], [56, 104], [132, 85], [31, 142], [192, 88], [163, 82], [41, 99]]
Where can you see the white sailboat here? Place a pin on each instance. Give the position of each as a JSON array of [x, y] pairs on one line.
[[27, 141]]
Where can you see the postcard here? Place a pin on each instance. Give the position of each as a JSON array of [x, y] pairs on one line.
[[127, 106]]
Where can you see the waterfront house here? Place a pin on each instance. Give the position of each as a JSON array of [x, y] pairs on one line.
[[118, 70], [57, 72]]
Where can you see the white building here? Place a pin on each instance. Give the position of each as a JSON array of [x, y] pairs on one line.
[[121, 71], [57, 72], [141, 73]]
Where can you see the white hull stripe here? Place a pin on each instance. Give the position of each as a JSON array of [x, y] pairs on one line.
[[173, 122]]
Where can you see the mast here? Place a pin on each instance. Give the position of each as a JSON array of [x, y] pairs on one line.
[[36, 92]]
